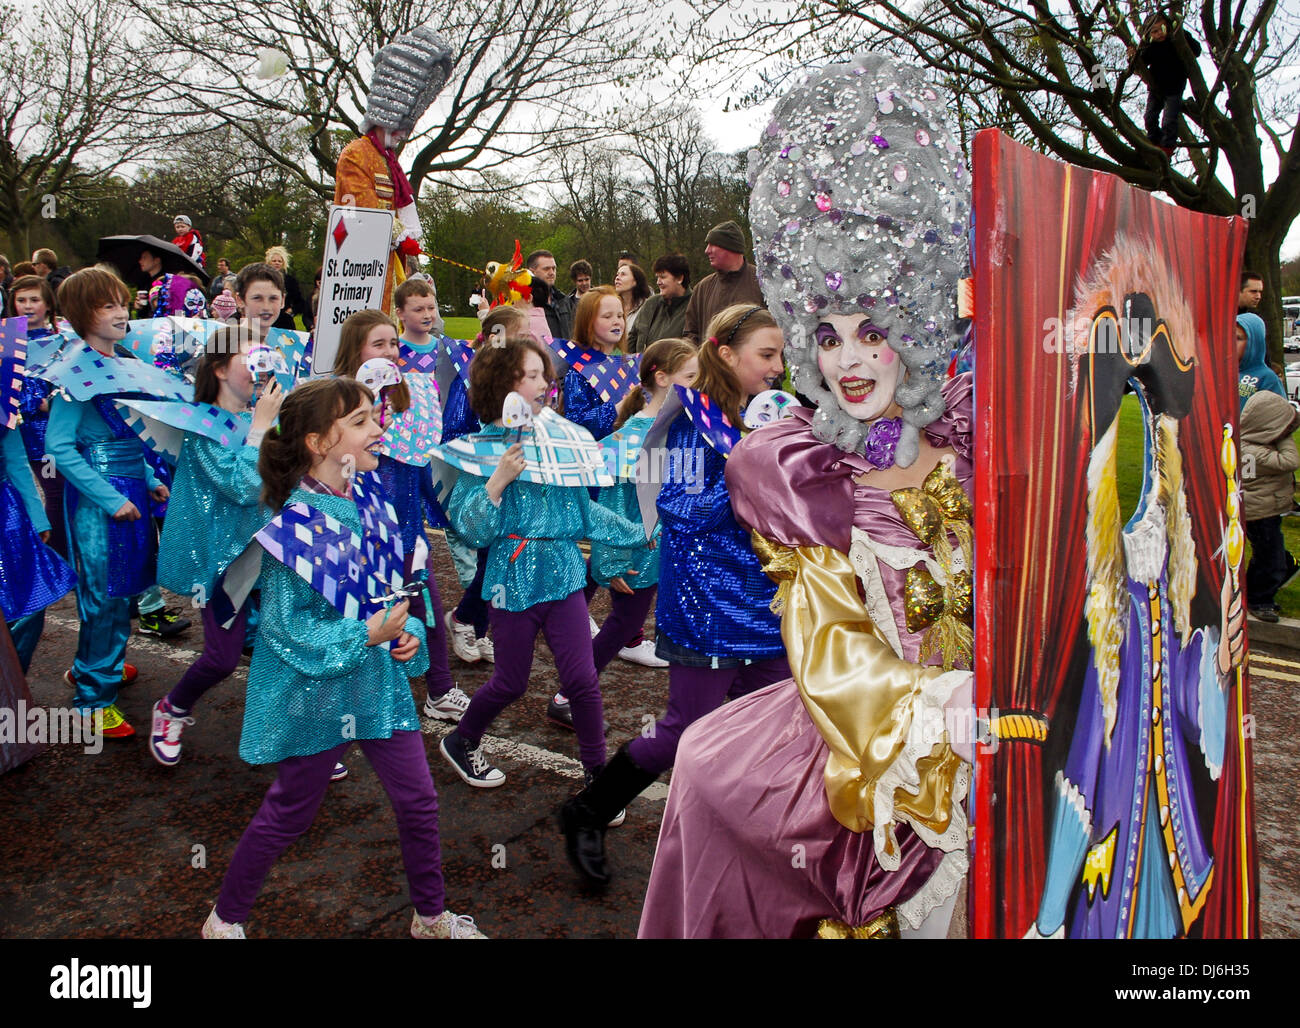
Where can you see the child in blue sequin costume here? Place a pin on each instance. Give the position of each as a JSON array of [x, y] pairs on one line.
[[320, 680], [713, 617], [33, 299], [106, 503], [32, 575], [215, 510], [367, 335], [467, 625], [598, 326], [632, 575], [535, 571]]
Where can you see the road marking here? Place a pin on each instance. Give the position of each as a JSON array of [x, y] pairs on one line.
[[1277, 676], [1275, 661], [494, 746]]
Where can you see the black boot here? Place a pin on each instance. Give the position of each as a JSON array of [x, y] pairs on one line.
[[584, 817]]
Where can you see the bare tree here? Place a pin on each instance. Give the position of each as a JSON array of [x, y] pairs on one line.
[[1058, 74], [527, 77], [75, 101], [679, 164]]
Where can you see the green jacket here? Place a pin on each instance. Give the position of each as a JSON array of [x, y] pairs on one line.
[[659, 319]]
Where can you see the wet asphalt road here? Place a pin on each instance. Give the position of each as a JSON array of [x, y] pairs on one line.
[[115, 846]]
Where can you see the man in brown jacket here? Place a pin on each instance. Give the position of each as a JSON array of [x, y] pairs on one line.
[[1269, 460], [734, 280]]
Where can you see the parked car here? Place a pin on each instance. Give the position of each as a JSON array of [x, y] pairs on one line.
[[1293, 381]]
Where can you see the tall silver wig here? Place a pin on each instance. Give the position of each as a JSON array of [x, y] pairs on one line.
[[859, 205], [409, 74]]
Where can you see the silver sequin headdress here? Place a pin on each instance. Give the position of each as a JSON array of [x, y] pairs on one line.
[[409, 73], [859, 205]]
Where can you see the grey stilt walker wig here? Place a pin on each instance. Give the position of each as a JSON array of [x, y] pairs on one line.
[[409, 73], [860, 203]]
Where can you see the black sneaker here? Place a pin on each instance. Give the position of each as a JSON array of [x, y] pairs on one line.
[[562, 715], [163, 623], [1269, 614], [469, 764]]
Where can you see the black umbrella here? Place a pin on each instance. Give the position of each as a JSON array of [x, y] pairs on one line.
[[123, 252]]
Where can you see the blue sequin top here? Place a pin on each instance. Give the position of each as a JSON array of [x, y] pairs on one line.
[[409, 488], [713, 594], [458, 418], [532, 537], [15, 470], [614, 561], [583, 406], [213, 512], [314, 682]]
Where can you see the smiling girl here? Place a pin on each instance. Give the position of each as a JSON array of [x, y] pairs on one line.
[[535, 571], [213, 511], [598, 325], [713, 616], [320, 680], [368, 335]]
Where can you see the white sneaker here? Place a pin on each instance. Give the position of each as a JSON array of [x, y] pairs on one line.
[[450, 706], [642, 653], [215, 928], [463, 643], [445, 926], [595, 628], [486, 650]]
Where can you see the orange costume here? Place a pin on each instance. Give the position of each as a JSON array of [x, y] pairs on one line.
[[409, 73], [361, 179]]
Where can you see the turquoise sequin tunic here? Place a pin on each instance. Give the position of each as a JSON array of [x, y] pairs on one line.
[[533, 536], [613, 561], [212, 514], [314, 683]]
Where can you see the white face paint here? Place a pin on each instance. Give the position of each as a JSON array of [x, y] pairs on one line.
[[858, 364]]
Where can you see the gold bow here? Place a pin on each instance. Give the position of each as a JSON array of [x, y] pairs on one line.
[[883, 926], [940, 506]]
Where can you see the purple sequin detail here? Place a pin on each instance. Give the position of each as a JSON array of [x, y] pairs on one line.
[[882, 441]]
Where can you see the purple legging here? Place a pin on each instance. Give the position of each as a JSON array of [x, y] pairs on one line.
[[638, 631], [692, 693], [438, 680], [564, 623], [222, 648], [290, 808], [626, 618]]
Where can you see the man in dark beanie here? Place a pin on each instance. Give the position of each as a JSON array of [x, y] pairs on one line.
[[733, 281]]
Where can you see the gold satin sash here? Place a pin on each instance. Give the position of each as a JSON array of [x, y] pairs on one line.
[[858, 692]]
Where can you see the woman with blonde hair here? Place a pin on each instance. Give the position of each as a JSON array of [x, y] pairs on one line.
[[294, 303]]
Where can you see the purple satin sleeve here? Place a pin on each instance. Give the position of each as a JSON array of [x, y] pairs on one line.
[[790, 487], [955, 427]]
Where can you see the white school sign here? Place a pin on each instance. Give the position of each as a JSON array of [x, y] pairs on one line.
[[358, 247]]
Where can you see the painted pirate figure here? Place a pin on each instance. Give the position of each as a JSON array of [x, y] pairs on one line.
[[1128, 857]]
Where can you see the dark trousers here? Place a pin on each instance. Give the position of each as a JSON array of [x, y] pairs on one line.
[[1270, 563], [692, 693], [564, 623], [1162, 118], [473, 609], [222, 648], [626, 619]]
